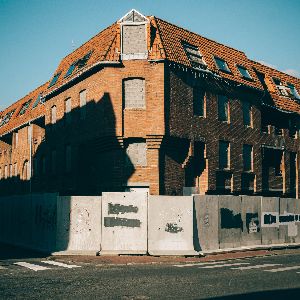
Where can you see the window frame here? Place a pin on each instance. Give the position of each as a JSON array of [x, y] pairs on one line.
[[227, 69], [249, 77], [227, 165], [250, 112], [251, 158], [226, 109]]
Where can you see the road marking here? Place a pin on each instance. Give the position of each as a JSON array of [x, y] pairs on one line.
[[31, 266], [256, 267], [56, 263], [283, 269], [200, 264], [224, 265]]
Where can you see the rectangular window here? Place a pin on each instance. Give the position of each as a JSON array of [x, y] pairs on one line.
[[247, 114], [194, 56], [68, 158], [293, 91], [199, 102], [68, 104], [222, 64], [224, 155], [53, 114], [82, 104], [248, 157], [244, 72], [223, 108], [134, 93]]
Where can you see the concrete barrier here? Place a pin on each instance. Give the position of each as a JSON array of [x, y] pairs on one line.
[[251, 214], [270, 220], [124, 223], [231, 224], [78, 225], [207, 221], [170, 225]]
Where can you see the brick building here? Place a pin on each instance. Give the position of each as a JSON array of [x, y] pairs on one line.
[[146, 104]]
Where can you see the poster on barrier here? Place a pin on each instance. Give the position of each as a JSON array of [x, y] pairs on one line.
[[170, 225], [124, 223]]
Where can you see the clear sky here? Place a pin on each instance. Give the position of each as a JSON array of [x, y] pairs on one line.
[[36, 34]]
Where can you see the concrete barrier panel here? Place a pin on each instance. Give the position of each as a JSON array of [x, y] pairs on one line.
[[288, 220], [251, 213], [231, 224], [170, 225], [207, 221], [78, 224], [44, 209], [270, 220], [124, 223]]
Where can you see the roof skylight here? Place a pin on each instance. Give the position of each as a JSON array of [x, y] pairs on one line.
[[24, 107], [6, 118], [37, 101], [244, 72], [194, 56], [82, 61], [54, 79], [222, 64], [70, 70]]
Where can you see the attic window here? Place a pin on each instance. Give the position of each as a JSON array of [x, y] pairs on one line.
[[222, 64], [82, 61], [283, 90], [6, 118], [37, 101], [194, 56], [244, 72], [24, 107], [293, 91], [54, 79], [70, 70]]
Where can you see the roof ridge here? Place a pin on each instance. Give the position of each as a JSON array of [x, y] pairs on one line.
[[214, 41], [257, 62]]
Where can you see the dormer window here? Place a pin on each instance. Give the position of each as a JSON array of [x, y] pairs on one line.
[[194, 56], [244, 72], [54, 79], [283, 90], [134, 36], [24, 107], [294, 91], [222, 64]]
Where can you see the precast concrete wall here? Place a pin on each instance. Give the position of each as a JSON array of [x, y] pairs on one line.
[[124, 223], [231, 224], [78, 224], [170, 225], [251, 214], [207, 221]]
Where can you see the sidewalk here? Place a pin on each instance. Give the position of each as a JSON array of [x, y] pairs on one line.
[[134, 259]]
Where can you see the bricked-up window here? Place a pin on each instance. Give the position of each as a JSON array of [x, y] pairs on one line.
[[244, 72], [82, 104], [134, 93], [134, 42], [248, 157], [16, 139], [222, 64], [68, 104], [247, 114], [136, 154], [68, 158], [199, 102], [53, 114], [224, 155], [223, 108]]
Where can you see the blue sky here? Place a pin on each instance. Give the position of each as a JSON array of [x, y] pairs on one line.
[[36, 35]]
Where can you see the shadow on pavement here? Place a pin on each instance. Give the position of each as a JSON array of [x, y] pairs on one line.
[[13, 252], [275, 294]]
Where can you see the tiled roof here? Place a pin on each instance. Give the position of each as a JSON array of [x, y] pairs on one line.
[[30, 114], [173, 38], [281, 102]]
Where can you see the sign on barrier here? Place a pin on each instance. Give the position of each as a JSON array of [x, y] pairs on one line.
[[78, 224], [207, 220], [124, 223], [251, 212], [170, 225]]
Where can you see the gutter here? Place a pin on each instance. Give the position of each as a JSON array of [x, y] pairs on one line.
[[80, 74]]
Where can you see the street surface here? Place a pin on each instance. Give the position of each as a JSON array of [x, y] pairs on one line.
[[267, 277]]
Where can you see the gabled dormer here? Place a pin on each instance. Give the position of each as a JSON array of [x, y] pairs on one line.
[[134, 36]]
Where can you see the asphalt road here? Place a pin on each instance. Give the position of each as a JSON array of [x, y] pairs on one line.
[[270, 277]]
